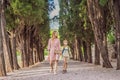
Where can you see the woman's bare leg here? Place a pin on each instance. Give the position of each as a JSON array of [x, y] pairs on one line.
[[56, 64], [51, 66]]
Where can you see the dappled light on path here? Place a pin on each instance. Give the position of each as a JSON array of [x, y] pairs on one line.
[[76, 71]]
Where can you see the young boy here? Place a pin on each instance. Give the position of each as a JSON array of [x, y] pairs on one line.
[[66, 53]]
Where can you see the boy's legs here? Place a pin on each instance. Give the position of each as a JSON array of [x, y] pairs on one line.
[[65, 65]]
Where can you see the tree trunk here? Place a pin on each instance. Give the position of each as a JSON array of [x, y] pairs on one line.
[[22, 58], [79, 49], [14, 55], [8, 60], [38, 53], [114, 54], [105, 46], [97, 55], [31, 62], [85, 51], [97, 21], [75, 49], [35, 56], [25, 54], [74, 52], [40, 50], [41, 54], [31, 57], [2, 62], [78, 56], [89, 53], [28, 46], [116, 4]]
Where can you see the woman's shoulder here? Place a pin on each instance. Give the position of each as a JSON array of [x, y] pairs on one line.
[[57, 39], [50, 38]]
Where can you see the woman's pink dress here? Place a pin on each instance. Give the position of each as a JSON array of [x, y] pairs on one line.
[[52, 46]]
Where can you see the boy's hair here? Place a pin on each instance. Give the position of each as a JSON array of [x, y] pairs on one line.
[[65, 41]]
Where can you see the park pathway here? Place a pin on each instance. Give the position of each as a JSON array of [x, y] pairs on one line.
[[77, 71]]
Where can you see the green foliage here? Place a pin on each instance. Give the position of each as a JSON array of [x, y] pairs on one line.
[[28, 13], [44, 33], [111, 37], [18, 53], [31, 12], [46, 52], [74, 21], [103, 2]]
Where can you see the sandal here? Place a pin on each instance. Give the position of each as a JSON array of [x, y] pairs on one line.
[[51, 71], [55, 72]]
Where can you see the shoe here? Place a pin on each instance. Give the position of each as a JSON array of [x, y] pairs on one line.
[[51, 70], [55, 72], [63, 71]]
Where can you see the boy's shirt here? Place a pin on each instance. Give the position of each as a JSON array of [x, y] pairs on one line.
[[66, 50]]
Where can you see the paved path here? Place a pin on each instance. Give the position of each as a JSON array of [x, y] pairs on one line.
[[77, 71]]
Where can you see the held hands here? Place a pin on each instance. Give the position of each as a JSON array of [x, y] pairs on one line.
[[61, 54]]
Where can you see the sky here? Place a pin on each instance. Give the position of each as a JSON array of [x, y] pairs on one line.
[[55, 12]]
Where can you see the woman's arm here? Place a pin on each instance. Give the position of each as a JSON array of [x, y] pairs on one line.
[[59, 46]]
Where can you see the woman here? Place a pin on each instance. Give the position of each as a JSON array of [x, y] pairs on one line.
[[53, 44]]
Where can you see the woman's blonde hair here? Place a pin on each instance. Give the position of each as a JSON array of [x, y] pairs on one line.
[[53, 34]]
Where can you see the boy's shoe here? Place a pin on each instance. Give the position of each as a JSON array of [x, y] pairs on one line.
[[64, 71]]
